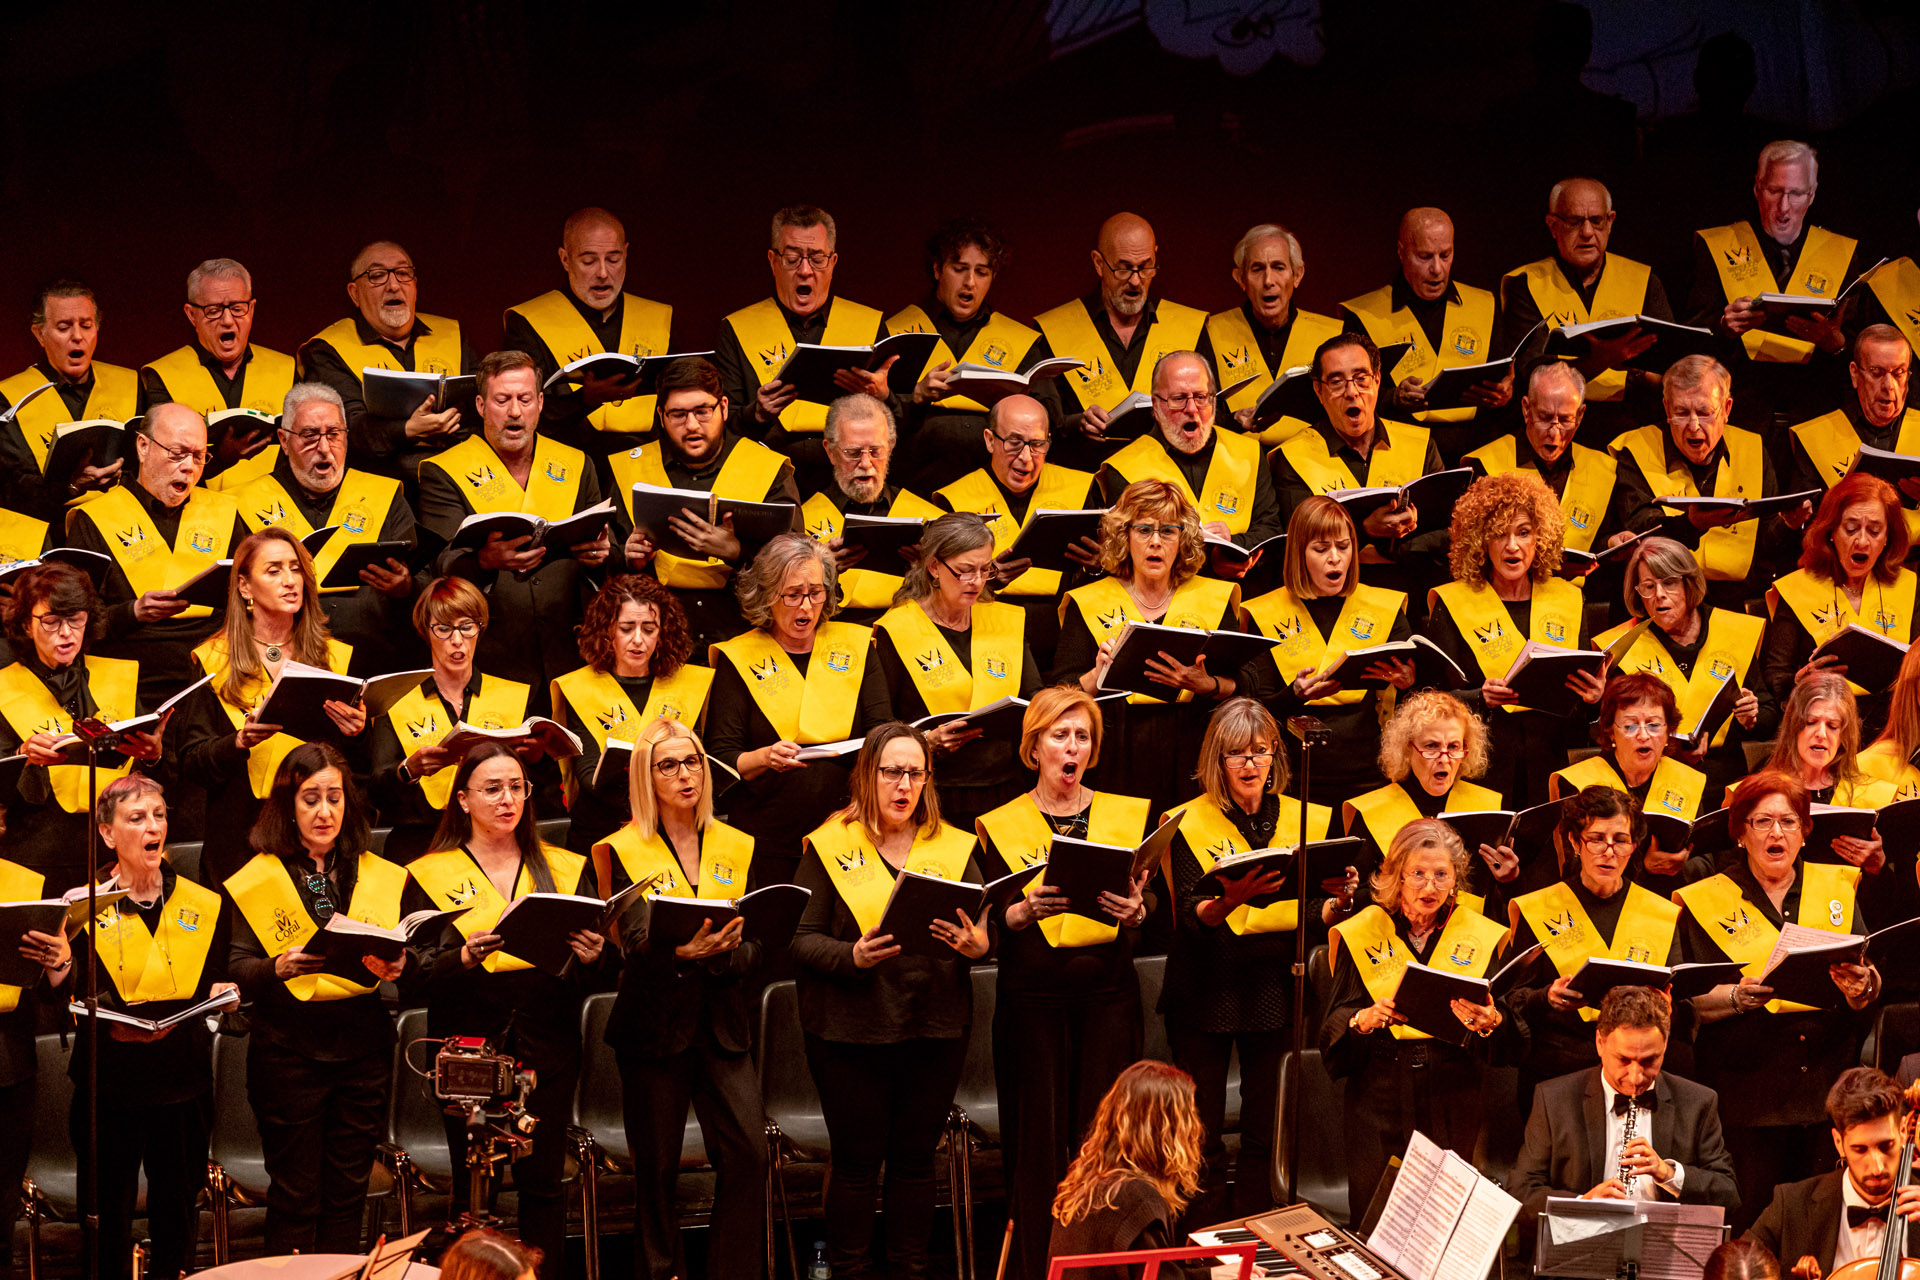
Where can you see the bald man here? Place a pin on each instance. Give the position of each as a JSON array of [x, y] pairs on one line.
[[1582, 281], [591, 316], [1449, 324], [1266, 334], [1121, 330], [386, 332]]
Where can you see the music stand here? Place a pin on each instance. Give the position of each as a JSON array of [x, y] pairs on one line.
[[1626, 1239], [1312, 732]]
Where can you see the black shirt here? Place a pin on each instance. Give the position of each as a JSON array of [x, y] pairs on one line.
[[154, 389], [1266, 520], [985, 761], [1125, 357], [1039, 973], [564, 409], [1290, 489], [369, 435], [23, 487], [742, 385], [1519, 313], [1777, 544]]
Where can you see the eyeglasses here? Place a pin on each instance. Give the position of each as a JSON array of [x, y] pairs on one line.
[[1127, 271], [894, 774], [674, 768], [1600, 844], [701, 413], [322, 896], [55, 624], [176, 456], [1339, 382], [792, 258], [1578, 221], [1897, 373], [1647, 589], [1437, 879], [874, 451], [448, 630], [1196, 399], [981, 574], [214, 310], [494, 790], [1556, 422], [1441, 753], [1689, 417], [1241, 759], [803, 595], [1149, 531], [1018, 446], [312, 436], [1760, 824], [377, 276], [1650, 729]]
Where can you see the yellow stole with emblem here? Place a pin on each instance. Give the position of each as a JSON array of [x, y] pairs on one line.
[[862, 588], [1002, 343], [1466, 946], [263, 760], [1644, 932], [147, 966], [726, 855], [1387, 809], [1211, 837], [21, 537], [815, 708], [1675, 788], [420, 719], [1589, 488], [245, 471], [1731, 642], [1366, 618], [1883, 762], [435, 352], [206, 529], [1831, 443], [1203, 604], [1232, 475], [29, 708], [945, 683], [1058, 489], [268, 376], [645, 327], [452, 879], [746, 475], [1622, 291], [17, 884], [1744, 933], [1403, 460], [1745, 273], [1489, 630], [1022, 837], [600, 706], [1824, 610], [115, 395], [1725, 553], [766, 341], [1466, 338], [1070, 332], [483, 480], [859, 872], [360, 507], [266, 896], [1897, 285], [1237, 355]]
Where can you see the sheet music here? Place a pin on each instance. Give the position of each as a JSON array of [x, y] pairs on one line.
[[1439, 1212], [1418, 1168], [1481, 1233], [1679, 1238]]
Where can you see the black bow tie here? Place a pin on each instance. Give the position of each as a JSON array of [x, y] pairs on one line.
[[1622, 1101], [1860, 1213]]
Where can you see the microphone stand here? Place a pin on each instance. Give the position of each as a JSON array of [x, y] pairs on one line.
[[1312, 732], [92, 732]]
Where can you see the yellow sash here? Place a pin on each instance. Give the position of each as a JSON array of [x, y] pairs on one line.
[[1644, 932], [862, 588], [17, 884], [483, 480], [859, 873], [420, 719], [1070, 332], [601, 707], [268, 376], [1825, 611], [726, 856], [29, 709], [453, 879], [1589, 490], [767, 341], [265, 894], [435, 352], [1622, 291], [1002, 343], [1233, 472], [1022, 836], [206, 529], [746, 475], [1488, 628], [1743, 932], [1204, 604], [1883, 762], [1466, 338], [1675, 788], [245, 471], [1057, 489], [1731, 642], [1387, 809], [1725, 553], [1466, 946], [817, 707], [942, 680], [115, 395], [1897, 285], [1745, 273], [360, 507], [1831, 443], [1210, 837], [645, 327], [263, 760], [146, 966], [1237, 355], [1366, 618], [1401, 462], [21, 537]]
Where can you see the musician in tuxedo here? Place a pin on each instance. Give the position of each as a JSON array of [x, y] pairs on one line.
[[1841, 1215], [1624, 1130]]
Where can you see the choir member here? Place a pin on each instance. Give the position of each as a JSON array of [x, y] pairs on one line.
[[320, 1050], [943, 648], [886, 1033], [1266, 334], [1891, 756], [1581, 477], [1405, 1080], [1875, 415], [1819, 744], [859, 439], [66, 327]]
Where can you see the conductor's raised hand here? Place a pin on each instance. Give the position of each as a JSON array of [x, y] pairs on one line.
[[874, 947]]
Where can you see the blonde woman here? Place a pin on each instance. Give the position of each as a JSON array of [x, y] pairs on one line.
[[1890, 758]]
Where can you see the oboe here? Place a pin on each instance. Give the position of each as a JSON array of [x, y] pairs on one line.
[[1626, 1140]]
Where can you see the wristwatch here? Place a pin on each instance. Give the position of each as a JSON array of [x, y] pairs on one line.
[[1353, 1024], [406, 779]]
